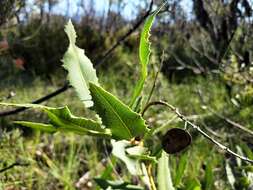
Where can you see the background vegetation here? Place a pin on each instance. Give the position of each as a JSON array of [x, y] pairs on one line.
[[206, 53]]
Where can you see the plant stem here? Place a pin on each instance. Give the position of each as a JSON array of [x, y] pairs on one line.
[[13, 165], [183, 118], [155, 79], [150, 176]]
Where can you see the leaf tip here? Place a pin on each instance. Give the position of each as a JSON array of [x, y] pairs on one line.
[[70, 31]]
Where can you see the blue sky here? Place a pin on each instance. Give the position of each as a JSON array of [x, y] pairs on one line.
[[102, 5]]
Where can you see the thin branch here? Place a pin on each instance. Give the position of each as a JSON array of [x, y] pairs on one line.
[[183, 118], [13, 165], [122, 38], [150, 176], [155, 79], [40, 100], [102, 60], [182, 63], [212, 60], [229, 121], [233, 123]]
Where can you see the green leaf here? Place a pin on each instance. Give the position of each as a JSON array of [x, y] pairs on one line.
[[108, 184], [63, 120], [247, 150], [140, 153], [79, 67], [193, 184], [208, 179], [133, 165], [123, 122], [108, 172], [180, 169], [38, 126], [144, 54], [164, 177]]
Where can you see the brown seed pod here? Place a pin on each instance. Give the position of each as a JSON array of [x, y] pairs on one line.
[[176, 140]]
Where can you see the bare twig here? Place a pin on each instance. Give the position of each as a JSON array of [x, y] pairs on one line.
[[151, 179], [184, 65], [212, 60], [155, 79], [13, 165], [40, 100], [229, 121], [183, 118], [233, 123], [122, 38]]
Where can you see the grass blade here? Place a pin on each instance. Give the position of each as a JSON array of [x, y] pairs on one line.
[[164, 177]]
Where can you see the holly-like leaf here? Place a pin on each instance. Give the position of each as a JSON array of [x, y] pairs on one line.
[[118, 117], [61, 119], [144, 54], [79, 67]]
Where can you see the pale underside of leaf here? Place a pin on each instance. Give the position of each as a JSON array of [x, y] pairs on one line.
[[164, 177], [140, 153], [79, 67], [23, 105], [133, 165]]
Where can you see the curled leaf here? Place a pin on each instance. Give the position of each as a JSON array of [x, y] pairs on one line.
[[119, 150], [176, 140]]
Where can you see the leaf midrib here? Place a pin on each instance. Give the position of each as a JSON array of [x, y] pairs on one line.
[[65, 122], [129, 132], [75, 48]]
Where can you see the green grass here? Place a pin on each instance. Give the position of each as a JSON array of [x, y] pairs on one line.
[[58, 161]]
